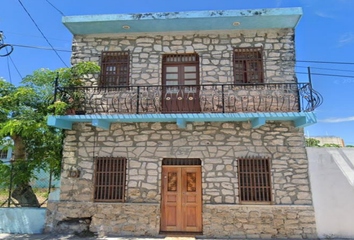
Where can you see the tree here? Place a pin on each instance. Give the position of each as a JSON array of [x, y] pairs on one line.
[[23, 119], [350, 146], [312, 142], [331, 145]]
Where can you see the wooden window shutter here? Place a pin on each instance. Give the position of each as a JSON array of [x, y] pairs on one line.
[[115, 68], [110, 175], [254, 177], [248, 65]]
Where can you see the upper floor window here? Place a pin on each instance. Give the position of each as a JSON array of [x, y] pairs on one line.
[[254, 180], [110, 174], [248, 65], [115, 68]]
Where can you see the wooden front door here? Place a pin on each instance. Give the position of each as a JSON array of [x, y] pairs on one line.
[[180, 91], [181, 209]]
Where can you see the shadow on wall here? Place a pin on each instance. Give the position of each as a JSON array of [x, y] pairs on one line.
[[332, 182]]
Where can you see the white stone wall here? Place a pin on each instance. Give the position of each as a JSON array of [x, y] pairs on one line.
[[218, 145], [215, 51]]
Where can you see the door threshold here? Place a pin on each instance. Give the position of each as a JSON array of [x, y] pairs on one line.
[[181, 234]]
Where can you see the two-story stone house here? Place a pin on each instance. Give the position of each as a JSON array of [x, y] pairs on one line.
[[195, 124]]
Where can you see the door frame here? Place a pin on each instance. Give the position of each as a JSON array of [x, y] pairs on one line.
[[162, 196]]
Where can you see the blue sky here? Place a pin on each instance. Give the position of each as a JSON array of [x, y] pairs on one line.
[[325, 33]]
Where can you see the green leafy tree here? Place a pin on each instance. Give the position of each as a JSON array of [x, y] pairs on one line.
[[331, 145], [312, 142], [350, 146], [23, 119]]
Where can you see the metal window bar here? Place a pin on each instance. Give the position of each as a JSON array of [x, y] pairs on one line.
[[115, 68], [181, 161], [254, 180], [110, 174]]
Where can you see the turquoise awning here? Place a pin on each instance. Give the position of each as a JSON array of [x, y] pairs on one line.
[[300, 119], [184, 21]]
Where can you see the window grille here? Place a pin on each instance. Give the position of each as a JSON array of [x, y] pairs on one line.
[[248, 65], [180, 58], [115, 68], [3, 154], [254, 177], [181, 161], [110, 174]]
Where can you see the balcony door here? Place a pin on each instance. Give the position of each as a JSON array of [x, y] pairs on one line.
[[180, 91]]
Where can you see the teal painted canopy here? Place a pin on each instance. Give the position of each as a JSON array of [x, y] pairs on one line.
[[300, 119], [184, 21]]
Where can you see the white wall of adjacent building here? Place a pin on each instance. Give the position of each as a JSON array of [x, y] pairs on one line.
[[332, 182]]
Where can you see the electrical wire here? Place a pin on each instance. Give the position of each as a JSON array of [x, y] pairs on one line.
[[55, 8], [34, 36], [39, 47], [24, 8], [311, 61], [13, 63], [321, 74], [8, 68], [329, 69]]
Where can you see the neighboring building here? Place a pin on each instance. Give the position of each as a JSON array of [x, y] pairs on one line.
[[5, 154], [330, 140], [195, 124]]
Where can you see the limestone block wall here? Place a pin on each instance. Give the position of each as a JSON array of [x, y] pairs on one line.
[[215, 50], [218, 145], [281, 221], [102, 218]]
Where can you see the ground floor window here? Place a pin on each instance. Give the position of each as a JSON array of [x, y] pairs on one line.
[[254, 177], [110, 175]]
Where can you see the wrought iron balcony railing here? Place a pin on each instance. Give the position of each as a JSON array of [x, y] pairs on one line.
[[207, 98]]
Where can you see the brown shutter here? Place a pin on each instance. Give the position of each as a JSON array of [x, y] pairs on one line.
[[254, 177], [115, 68], [248, 65], [110, 174]]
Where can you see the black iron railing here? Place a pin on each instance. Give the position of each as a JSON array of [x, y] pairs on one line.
[[206, 98]]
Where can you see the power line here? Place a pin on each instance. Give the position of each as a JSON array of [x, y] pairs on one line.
[[330, 69], [322, 74], [39, 47], [55, 8], [42, 33], [34, 36], [311, 61], [13, 63], [8, 69]]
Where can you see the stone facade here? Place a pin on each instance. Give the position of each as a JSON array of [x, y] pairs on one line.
[[259, 221], [217, 144], [214, 50], [102, 218]]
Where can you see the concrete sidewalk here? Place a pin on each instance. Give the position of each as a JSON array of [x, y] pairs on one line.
[[73, 237]]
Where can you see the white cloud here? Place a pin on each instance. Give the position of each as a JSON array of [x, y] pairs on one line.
[[345, 38], [324, 14], [337, 120]]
